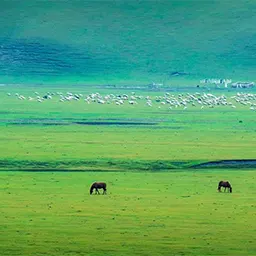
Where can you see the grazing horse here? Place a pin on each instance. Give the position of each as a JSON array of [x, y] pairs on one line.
[[98, 185], [226, 185]]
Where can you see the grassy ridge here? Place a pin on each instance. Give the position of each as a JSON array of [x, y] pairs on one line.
[[177, 213], [95, 164]]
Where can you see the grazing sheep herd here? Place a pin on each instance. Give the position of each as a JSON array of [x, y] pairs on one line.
[[166, 100]]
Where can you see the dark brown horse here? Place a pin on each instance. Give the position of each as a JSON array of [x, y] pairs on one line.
[[98, 185], [226, 185]]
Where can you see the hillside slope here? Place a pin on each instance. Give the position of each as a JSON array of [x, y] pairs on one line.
[[136, 41]]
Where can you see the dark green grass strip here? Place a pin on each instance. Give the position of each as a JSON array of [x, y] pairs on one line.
[[121, 165]]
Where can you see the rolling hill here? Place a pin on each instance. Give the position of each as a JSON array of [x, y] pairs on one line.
[[126, 41]]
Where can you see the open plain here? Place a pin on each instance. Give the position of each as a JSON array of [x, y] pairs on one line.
[[155, 98], [161, 199]]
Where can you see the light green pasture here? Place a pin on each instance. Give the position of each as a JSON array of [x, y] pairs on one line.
[[144, 213], [174, 213], [174, 135]]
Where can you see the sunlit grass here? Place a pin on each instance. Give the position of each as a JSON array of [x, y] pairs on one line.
[[152, 208], [192, 135], [178, 213]]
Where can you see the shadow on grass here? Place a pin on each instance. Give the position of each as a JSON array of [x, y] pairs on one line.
[[120, 165]]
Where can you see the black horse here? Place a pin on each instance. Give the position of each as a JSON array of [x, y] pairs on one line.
[[98, 185], [226, 185]]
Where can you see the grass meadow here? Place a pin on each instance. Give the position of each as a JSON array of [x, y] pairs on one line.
[[51, 134], [50, 153], [173, 213]]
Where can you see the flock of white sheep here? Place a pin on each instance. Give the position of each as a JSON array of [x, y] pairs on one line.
[[166, 100]]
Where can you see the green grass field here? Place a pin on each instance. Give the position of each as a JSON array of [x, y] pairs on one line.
[[156, 204], [162, 163], [174, 213], [52, 132]]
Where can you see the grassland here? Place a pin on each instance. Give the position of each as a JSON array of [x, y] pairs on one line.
[[156, 203], [77, 135], [174, 213]]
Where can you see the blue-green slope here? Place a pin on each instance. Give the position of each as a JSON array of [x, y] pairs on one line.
[[133, 41]]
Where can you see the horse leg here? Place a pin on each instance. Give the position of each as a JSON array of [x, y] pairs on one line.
[[97, 191]]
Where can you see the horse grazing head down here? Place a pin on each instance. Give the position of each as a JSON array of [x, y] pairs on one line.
[[225, 185], [98, 185]]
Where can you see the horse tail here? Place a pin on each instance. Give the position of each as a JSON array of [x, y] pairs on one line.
[[104, 187], [229, 186]]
